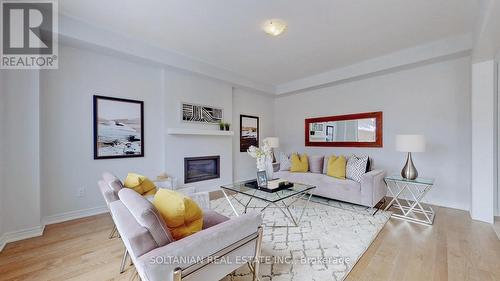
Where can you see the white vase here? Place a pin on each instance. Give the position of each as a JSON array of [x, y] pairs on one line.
[[269, 168]]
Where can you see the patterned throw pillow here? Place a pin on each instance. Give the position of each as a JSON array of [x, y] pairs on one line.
[[285, 163], [356, 167]]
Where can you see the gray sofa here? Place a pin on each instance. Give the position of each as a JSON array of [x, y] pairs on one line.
[[368, 192]]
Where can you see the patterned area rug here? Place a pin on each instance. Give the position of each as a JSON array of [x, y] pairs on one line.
[[326, 245]]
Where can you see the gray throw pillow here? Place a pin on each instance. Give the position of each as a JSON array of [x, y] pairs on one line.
[[325, 164], [315, 164], [285, 163], [356, 167]]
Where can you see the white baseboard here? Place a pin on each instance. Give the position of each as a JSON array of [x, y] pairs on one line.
[[38, 230], [20, 235], [73, 215]]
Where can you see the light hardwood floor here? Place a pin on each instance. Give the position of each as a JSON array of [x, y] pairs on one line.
[[454, 248]]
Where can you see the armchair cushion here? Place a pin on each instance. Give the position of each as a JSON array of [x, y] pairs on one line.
[[211, 218], [114, 183], [146, 215], [107, 192], [140, 184], [181, 214]]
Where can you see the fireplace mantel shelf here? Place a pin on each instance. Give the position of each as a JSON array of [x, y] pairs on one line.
[[201, 132]]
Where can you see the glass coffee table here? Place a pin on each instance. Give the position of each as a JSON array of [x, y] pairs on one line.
[[281, 199]]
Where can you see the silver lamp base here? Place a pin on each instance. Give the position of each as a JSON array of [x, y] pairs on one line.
[[409, 171]]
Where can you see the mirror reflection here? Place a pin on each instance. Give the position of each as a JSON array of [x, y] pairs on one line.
[[357, 130]]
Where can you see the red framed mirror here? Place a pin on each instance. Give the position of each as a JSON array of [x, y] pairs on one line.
[[352, 130]]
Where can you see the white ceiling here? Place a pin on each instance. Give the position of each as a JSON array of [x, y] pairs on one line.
[[322, 34]]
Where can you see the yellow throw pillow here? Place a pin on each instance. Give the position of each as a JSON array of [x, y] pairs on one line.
[[181, 214], [140, 184], [299, 163], [336, 167]]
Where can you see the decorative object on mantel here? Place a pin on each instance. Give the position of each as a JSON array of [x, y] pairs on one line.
[[165, 181], [201, 132], [273, 142], [201, 113], [352, 130], [409, 144], [263, 158], [224, 126], [118, 128], [249, 132]]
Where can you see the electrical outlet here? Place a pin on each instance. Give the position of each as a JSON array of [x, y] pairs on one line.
[[81, 191]]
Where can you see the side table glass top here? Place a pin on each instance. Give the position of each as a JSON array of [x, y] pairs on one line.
[[240, 187], [416, 181]]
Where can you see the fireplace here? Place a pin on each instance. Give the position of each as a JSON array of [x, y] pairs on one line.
[[201, 168]]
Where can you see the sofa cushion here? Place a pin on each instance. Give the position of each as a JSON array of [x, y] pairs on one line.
[[337, 167], [146, 215], [316, 164], [299, 163], [285, 163], [356, 167], [181, 214]]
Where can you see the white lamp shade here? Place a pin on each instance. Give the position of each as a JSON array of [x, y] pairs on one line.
[[273, 142], [410, 143]]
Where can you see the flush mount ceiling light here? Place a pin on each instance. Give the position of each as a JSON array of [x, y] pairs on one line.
[[274, 27]]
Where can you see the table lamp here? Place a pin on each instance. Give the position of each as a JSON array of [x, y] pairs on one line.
[[273, 142], [409, 144]]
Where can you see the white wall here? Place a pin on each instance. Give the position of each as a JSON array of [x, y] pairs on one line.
[[67, 126], [497, 85], [433, 100], [2, 152], [21, 189], [184, 87], [483, 141], [248, 102]]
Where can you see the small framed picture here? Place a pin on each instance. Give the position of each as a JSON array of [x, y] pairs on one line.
[[261, 178]]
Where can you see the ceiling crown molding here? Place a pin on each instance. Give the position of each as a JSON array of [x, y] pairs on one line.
[[76, 32], [427, 52]]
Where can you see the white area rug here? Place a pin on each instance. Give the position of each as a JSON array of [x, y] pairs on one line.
[[326, 245]]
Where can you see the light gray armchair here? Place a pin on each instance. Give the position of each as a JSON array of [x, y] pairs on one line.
[[157, 257], [110, 185]]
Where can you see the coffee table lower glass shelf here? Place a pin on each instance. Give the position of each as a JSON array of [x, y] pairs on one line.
[[283, 200]]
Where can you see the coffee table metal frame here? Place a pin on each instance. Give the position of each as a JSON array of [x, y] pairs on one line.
[[278, 203]]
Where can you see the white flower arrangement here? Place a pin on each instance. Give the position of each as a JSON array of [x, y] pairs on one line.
[[262, 155]]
